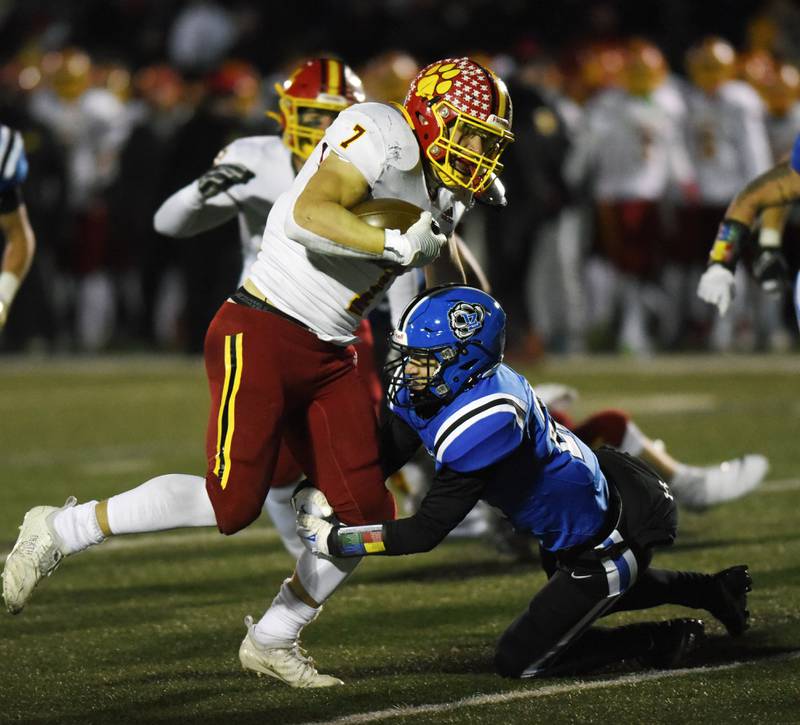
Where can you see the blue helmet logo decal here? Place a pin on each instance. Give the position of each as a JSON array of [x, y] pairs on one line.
[[466, 318]]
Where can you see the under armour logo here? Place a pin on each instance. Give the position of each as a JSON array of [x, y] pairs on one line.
[[667, 492], [466, 319]]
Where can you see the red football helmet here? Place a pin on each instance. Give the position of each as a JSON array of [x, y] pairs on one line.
[[321, 84], [453, 99]]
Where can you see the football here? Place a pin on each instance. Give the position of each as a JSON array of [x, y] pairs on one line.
[[387, 213]]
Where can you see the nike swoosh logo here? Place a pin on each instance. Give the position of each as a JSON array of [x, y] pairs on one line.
[[580, 576]]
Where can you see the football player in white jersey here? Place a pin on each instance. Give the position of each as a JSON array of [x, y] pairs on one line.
[[728, 143], [632, 149], [20, 240], [278, 355], [247, 177]]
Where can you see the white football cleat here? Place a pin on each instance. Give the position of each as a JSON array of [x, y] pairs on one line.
[[699, 488], [290, 665], [37, 553]]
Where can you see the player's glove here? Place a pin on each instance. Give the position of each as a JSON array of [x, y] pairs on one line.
[[717, 287], [771, 271], [313, 532], [309, 500], [221, 178], [419, 246]]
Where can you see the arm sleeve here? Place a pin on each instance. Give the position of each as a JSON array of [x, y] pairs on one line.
[[398, 443], [186, 213], [449, 500]]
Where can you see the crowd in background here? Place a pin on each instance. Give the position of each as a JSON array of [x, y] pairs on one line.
[[627, 151]]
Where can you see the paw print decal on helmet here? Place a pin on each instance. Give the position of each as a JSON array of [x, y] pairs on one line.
[[437, 80]]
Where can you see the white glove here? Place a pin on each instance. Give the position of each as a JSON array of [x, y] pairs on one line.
[[313, 532], [310, 500], [717, 287], [419, 246]]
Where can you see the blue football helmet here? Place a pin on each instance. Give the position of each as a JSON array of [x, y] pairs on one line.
[[461, 328]]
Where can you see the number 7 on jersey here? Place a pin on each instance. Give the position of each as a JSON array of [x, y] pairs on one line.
[[358, 132]]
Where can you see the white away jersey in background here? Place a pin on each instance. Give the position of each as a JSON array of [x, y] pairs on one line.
[[631, 147], [186, 213], [330, 293], [727, 139]]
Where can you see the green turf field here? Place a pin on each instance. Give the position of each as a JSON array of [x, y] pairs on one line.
[[147, 628]]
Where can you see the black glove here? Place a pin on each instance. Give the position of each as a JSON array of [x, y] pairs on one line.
[[771, 271], [222, 177]]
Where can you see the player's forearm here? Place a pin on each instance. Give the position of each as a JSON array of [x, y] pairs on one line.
[[773, 221], [447, 267], [314, 219], [20, 242], [186, 213], [776, 187]]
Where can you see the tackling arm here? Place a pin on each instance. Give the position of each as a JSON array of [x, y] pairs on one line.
[[449, 500]]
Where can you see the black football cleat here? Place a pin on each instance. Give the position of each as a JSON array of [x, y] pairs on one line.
[[672, 641], [730, 595]]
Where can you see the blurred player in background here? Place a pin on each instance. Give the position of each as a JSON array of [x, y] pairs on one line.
[[728, 142], [278, 354], [246, 179], [777, 187], [20, 242], [632, 151], [597, 517]]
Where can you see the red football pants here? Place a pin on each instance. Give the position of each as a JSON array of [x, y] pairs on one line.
[[287, 469], [271, 379]]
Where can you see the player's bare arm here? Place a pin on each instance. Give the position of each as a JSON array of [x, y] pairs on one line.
[[447, 267], [323, 207], [776, 187], [20, 242]]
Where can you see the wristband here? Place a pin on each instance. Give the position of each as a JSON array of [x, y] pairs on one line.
[[9, 284], [730, 238], [769, 238], [358, 540]]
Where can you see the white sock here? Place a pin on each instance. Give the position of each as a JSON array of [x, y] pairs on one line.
[[281, 624], [322, 577], [77, 527], [279, 507], [633, 441], [173, 501]]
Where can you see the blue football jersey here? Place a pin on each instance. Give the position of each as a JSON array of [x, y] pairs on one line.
[[546, 480]]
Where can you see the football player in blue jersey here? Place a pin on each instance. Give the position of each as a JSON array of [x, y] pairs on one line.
[[14, 224], [774, 188], [597, 516]]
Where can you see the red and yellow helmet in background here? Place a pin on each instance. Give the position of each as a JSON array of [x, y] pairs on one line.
[[711, 63], [453, 98], [240, 82], [783, 89], [68, 71], [387, 76], [322, 84], [645, 67]]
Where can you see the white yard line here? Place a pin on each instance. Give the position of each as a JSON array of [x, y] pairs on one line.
[[546, 691]]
